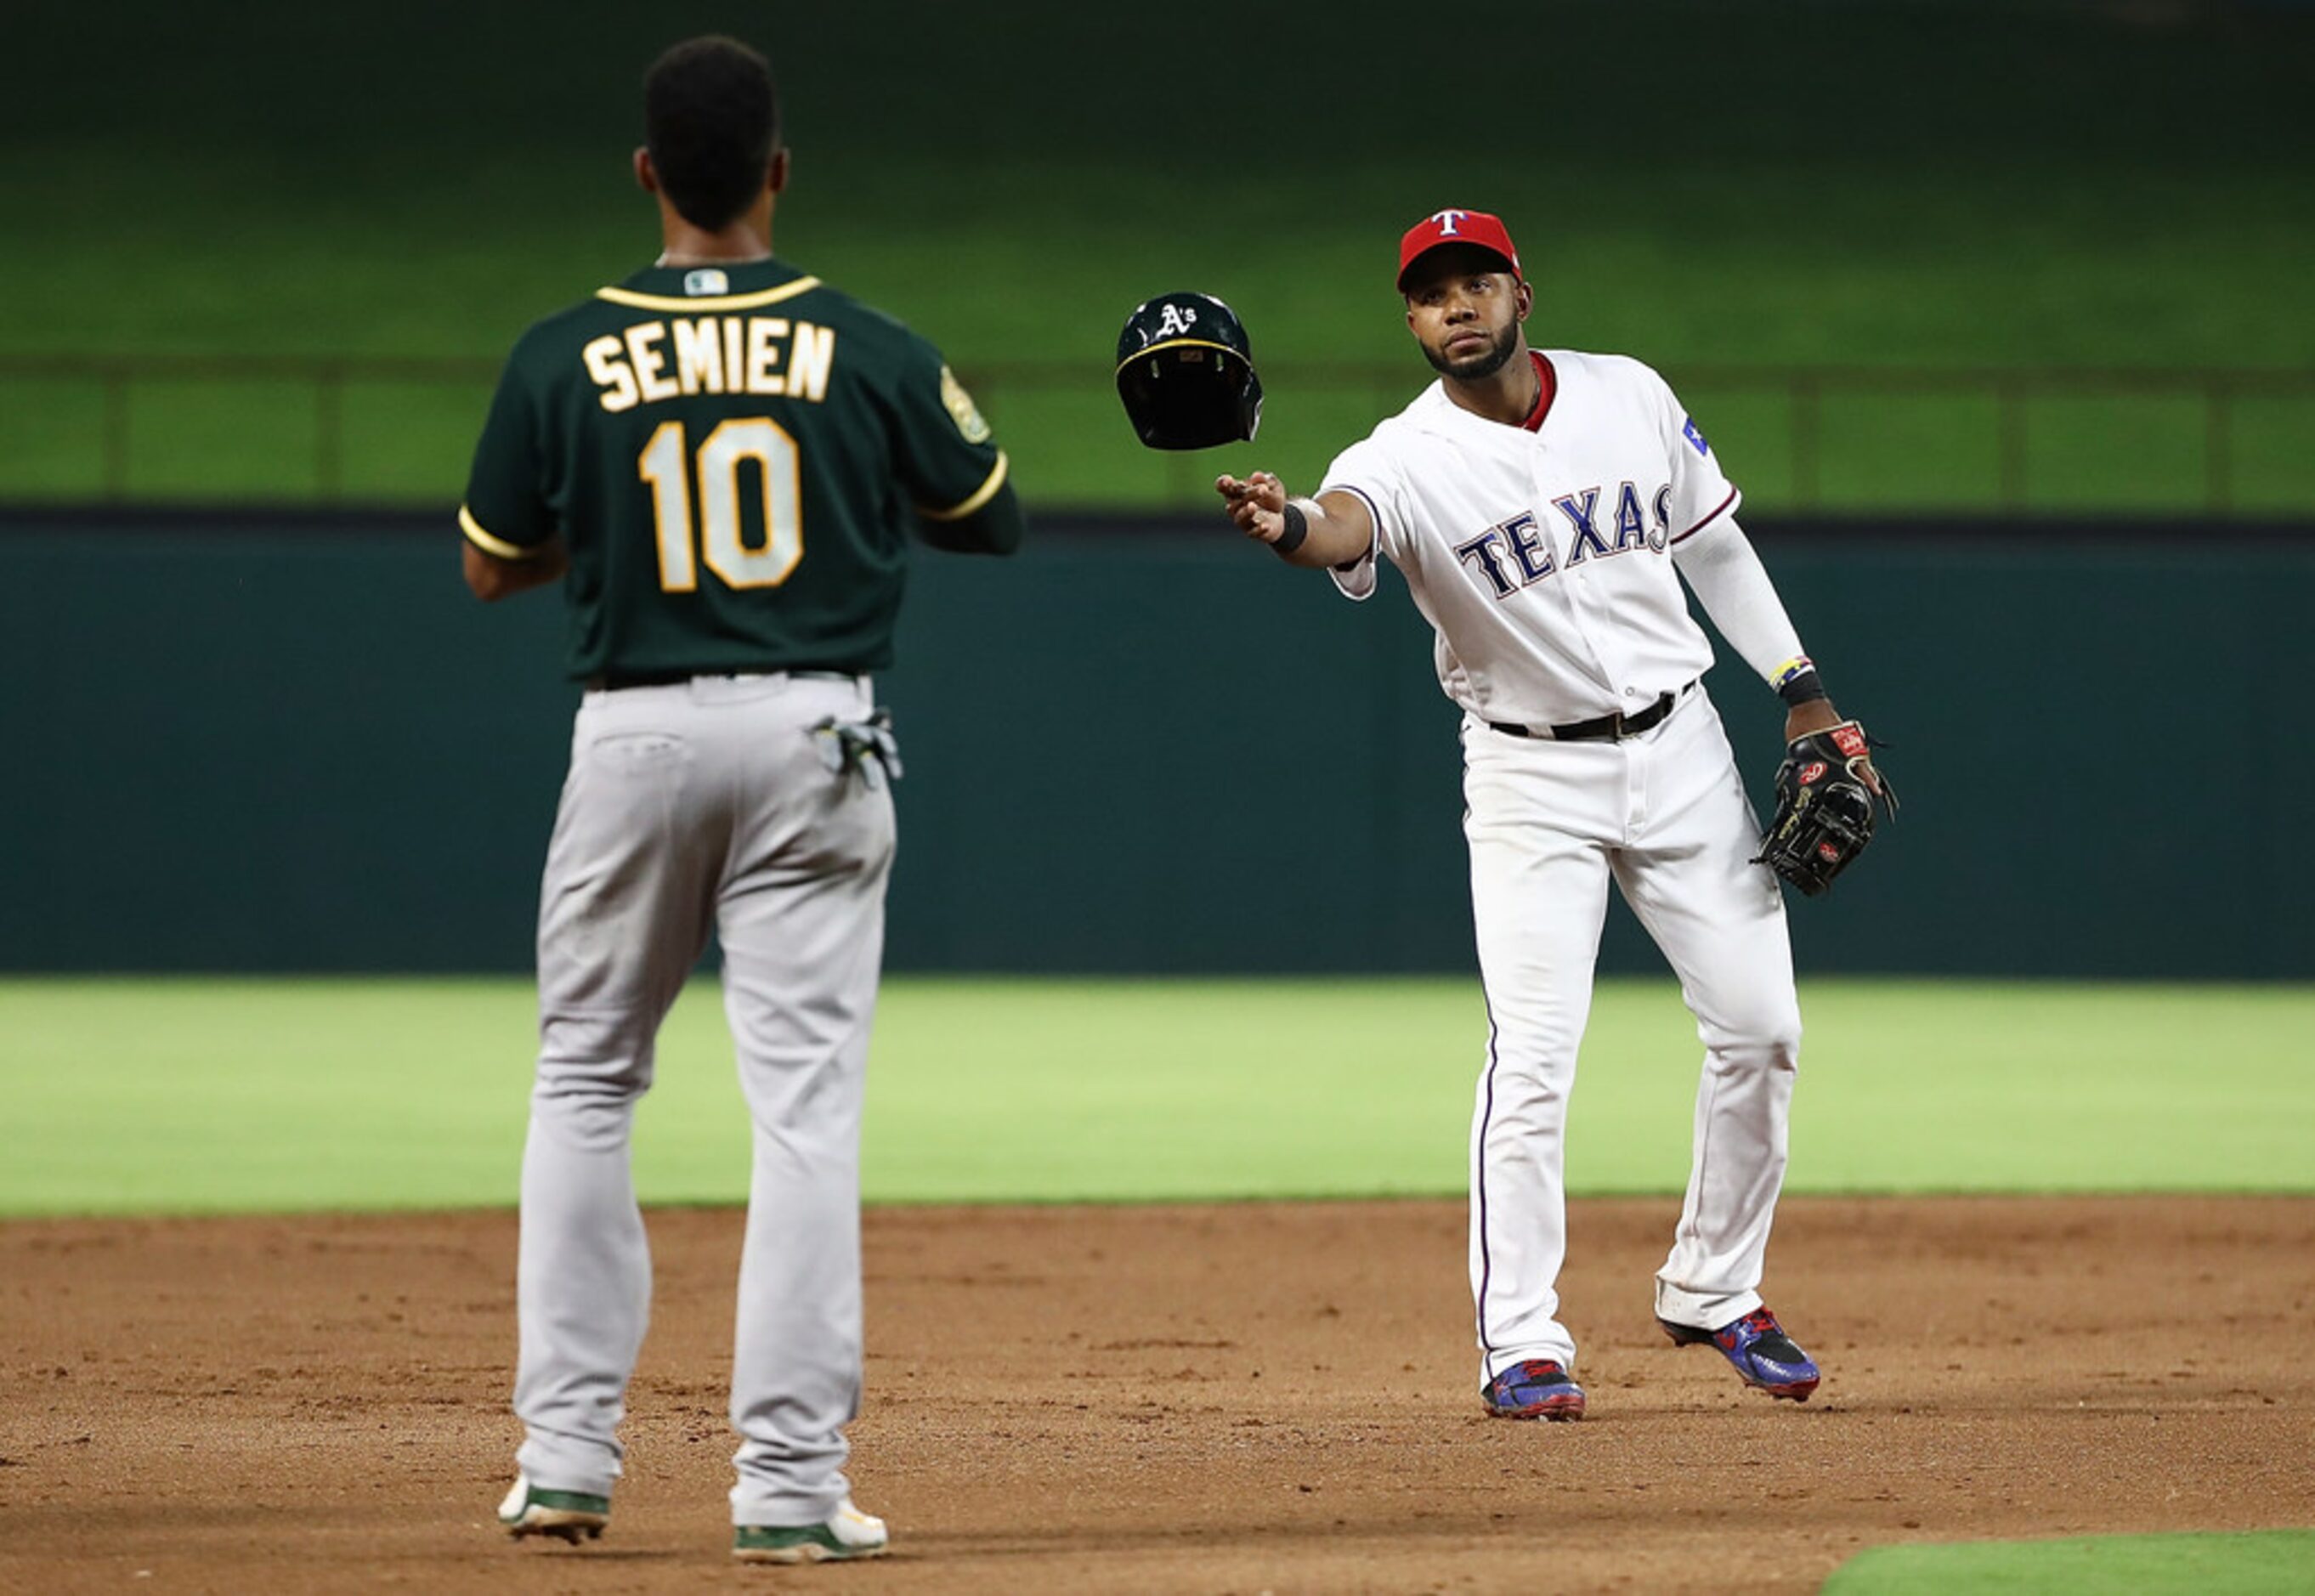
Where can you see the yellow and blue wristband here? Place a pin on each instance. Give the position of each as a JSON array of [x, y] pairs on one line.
[[1797, 683]]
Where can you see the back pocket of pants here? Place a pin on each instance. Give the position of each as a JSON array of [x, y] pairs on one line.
[[638, 753]]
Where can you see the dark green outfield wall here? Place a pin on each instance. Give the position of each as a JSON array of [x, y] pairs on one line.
[[305, 747]]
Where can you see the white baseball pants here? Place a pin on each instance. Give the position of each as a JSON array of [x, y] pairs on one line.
[[1664, 813], [697, 804]]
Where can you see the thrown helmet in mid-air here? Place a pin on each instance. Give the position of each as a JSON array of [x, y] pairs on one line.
[[1186, 372]]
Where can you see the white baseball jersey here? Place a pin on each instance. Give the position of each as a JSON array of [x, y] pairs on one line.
[[1543, 559]]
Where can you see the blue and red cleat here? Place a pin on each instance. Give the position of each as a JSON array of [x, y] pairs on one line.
[[1765, 1357], [1536, 1388]]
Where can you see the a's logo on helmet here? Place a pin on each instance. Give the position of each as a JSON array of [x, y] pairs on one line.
[[1449, 220], [1176, 320]]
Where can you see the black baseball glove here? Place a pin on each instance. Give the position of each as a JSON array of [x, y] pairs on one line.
[[1828, 793]]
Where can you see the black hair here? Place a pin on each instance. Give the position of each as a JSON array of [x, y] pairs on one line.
[[710, 121]]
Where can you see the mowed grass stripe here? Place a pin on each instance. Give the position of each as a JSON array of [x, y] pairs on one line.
[[1967, 267], [194, 1095], [2241, 1564]]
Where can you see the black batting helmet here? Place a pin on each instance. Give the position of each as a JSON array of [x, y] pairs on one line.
[[1186, 372]]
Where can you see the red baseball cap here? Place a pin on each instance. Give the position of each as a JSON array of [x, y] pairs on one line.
[[1456, 226]]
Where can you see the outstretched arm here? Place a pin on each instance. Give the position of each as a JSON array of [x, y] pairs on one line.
[[1333, 528]]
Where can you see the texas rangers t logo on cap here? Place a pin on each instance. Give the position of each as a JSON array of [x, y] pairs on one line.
[[1477, 227]]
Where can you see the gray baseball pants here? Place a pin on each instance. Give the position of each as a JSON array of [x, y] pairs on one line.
[[704, 803]]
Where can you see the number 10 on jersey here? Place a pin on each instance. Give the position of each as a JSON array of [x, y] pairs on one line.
[[666, 465]]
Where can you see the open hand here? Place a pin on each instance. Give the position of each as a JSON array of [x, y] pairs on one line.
[[1258, 504]]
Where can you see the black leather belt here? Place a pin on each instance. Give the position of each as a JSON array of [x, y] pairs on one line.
[[616, 681], [1607, 728]]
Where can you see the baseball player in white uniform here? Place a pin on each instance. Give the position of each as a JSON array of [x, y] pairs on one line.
[[1544, 506]]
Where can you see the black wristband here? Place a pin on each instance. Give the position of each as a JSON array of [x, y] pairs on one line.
[[1806, 688], [1298, 527]]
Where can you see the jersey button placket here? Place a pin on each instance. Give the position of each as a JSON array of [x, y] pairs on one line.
[[1573, 591]]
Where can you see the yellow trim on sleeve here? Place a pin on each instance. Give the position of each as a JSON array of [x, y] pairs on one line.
[[802, 284], [497, 548], [982, 495]]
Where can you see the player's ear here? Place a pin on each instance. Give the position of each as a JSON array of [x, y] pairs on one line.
[[1526, 299], [646, 179], [775, 175]]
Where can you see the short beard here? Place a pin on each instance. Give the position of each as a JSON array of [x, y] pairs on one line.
[[1480, 367]]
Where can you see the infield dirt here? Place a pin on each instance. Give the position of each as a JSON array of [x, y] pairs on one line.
[[1228, 1398]]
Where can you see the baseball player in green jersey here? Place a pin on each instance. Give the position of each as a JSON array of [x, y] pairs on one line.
[[723, 460]]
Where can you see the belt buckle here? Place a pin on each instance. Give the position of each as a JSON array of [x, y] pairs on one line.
[[1615, 726]]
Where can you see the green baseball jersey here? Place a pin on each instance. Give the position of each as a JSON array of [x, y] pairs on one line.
[[734, 458]]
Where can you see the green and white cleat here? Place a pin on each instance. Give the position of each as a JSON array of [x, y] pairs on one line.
[[571, 1516], [850, 1534]]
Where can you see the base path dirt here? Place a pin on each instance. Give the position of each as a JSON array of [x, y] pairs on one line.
[[1232, 1398]]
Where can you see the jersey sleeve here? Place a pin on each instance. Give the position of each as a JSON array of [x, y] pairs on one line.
[[505, 512], [1701, 492], [1367, 469], [1727, 578], [942, 450]]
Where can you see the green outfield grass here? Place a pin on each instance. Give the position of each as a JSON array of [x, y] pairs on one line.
[[1846, 265], [2250, 1565], [182, 1096]]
